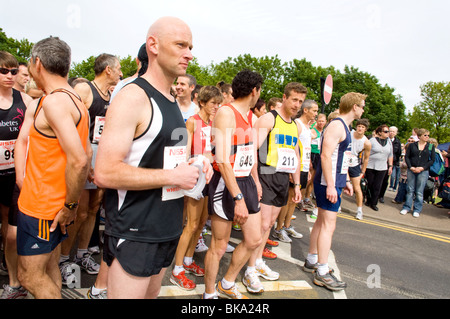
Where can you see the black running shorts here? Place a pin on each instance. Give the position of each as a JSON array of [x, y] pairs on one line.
[[220, 201]]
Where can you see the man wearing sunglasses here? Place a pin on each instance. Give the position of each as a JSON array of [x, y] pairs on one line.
[[13, 105]]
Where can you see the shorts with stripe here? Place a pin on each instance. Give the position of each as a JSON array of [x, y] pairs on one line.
[[34, 236], [220, 200]]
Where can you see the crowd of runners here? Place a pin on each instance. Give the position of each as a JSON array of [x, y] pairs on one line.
[[162, 156]]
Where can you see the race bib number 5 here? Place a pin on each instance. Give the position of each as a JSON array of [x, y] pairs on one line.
[[173, 156], [98, 128]]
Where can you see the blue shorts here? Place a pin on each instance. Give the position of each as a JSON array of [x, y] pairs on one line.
[[321, 198], [34, 236], [354, 171]]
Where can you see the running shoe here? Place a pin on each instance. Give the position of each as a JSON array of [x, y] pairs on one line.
[[329, 281], [308, 267], [201, 246], [87, 263], [102, 295], [66, 272], [182, 281], [229, 249], [268, 254], [359, 215], [232, 293], [308, 204], [214, 297], [252, 283], [281, 235], [264, 271], [13, 292], [236, 226], [194, 269], [272, 243], [291, 232]]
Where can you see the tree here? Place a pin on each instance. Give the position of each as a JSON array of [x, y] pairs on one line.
[[432, 113], [85, 68], [21, 49]]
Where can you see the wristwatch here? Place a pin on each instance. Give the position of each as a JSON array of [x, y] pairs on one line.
[[238, 197], [72, 205]]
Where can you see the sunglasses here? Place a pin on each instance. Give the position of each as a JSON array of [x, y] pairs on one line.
[[6, 71], [385, 131]]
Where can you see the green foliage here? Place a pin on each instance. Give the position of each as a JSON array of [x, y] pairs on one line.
[[21, 49], [432, 113], [382, 105]]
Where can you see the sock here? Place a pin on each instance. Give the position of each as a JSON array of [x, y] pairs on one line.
[[96, 291], [359, 209], [177, 269], [81, 252], [259, 261], [226, 284], [63, 258], [312, 258], [323, 269], [208, 296], [188, 260], [250, 269]]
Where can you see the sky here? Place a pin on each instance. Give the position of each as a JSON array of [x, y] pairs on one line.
[[404, 44]]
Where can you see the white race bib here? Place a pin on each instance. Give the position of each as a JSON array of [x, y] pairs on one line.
[[244, 160], [7, 154], [346, 161], [98, 128], [287, 160], [206, 134], [173, 156]]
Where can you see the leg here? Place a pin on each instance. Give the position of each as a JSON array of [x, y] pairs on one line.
[[252, 240], [122, 285], [40, 275], [220, 229]]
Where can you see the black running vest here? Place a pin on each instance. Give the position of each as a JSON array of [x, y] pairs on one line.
[[142, 215], [11, 121], [97, 109]]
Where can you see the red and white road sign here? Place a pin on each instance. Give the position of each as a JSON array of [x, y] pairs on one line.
[[328, 89]]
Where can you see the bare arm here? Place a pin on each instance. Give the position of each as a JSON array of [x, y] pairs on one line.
[[61, 117], [121, 127], [223, 121], [20, 149]]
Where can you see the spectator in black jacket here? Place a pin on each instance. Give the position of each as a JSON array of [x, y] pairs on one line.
[[397, 152], [419, 160]]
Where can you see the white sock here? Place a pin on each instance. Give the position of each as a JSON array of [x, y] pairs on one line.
[[250, 269], [359, 209], [208, 296], [96, 291], [312, 258], [63, 258], [226, 284], [177, 269], [188, 260], [81, 252], [323, 269], [259, 261]]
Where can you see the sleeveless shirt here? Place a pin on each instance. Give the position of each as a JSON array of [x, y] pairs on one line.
[[11, 121], [339, 160], [44, 188], [283, 135], [357, 148], [201, 139], [97, 112], [241, 155], [143, 215], [305, 147]]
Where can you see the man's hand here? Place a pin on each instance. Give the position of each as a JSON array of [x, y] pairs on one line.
[[64, 218]]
